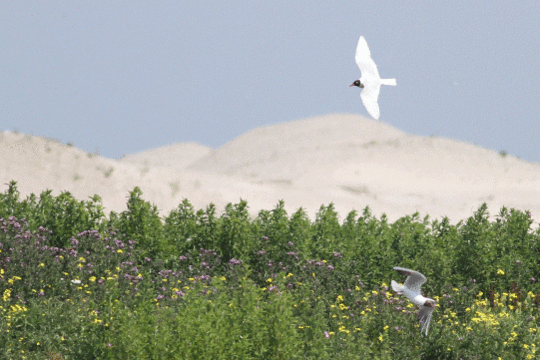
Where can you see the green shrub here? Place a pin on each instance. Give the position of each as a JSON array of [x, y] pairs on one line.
[[195, 284]]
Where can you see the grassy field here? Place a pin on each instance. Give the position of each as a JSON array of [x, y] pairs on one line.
[[76, 283]]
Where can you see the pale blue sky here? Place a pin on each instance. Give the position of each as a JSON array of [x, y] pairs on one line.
[[125, 76]]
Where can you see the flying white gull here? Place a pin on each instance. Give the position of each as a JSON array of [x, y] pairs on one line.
[[411, 290], [370, 81]]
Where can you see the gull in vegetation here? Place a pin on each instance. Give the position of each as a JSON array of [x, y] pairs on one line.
[[370, 81], [411, 290]]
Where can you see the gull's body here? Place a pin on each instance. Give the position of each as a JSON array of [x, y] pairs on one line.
[[411, 290], [370, 81]]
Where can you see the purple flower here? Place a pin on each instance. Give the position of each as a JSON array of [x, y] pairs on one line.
[[182, 258], [109, 345], [330, 267], [159, 297], [327, 334], [262, 252], [74, 241], [337, 254], [290, 243]]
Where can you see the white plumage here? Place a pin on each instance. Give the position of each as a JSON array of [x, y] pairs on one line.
[[411, 290], [370, 80]]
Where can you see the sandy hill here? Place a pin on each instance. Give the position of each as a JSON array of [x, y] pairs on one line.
[[345, 159]]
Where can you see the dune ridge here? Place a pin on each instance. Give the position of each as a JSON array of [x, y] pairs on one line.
[[346, 159]]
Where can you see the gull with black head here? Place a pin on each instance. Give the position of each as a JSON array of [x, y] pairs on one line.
[[411, 290], [370, 81]]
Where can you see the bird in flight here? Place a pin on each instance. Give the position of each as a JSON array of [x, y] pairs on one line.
[[411, 290], [370, 81]]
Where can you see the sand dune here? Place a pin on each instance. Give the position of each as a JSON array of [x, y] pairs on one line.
[[349, 160]]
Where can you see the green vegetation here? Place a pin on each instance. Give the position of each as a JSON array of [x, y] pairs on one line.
[[76, 283]]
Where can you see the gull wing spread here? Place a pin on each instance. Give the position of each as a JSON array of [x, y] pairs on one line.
[[370, 81], [369, 96], [424, 317], [364, 61], [411, 290], [414, 279]]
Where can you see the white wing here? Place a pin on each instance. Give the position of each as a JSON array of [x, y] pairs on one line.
[[364, 61], [424, 317], [370, 95], [414, 278]]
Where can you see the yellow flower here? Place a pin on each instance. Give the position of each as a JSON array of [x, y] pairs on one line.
[[41, 265], [380, 338], [223, 278], [92, 278], [500, 272], [119, 251], [339, 298]]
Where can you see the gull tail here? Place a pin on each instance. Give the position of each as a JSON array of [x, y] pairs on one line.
[[391, 82], [397, 288]]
